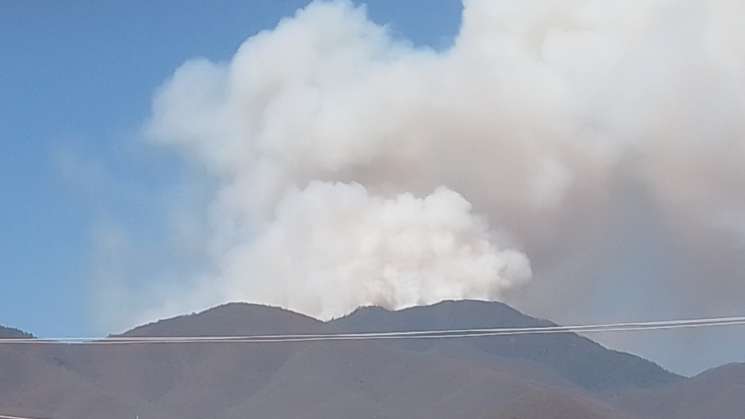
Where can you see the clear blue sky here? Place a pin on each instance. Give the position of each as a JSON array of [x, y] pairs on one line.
[[76, 81]]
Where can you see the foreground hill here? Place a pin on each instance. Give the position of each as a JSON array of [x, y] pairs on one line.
[[498, 377], [575, 358], [359, 380], [9, 333], [720, 390], [232, 319]]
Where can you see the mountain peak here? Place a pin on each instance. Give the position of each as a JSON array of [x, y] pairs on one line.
[[455, 314], [529, 376], [574, 357], [733, 371], [230, 319]]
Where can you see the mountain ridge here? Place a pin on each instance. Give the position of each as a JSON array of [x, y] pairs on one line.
[[484, 377], [620, 370], [234, 317], [11, 333]]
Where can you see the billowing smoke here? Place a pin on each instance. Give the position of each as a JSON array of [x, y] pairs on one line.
[[331, 248], [604, 140]]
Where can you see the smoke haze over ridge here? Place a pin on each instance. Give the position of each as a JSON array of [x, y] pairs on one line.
[[575, 158]]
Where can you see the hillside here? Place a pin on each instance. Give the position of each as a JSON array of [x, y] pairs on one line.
[[231, 319], [545, 377], [577, 359], [9, 333], [719, 390]]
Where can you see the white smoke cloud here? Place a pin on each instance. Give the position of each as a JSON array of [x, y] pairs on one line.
[[554, 119], [331, 248], [307, 103]]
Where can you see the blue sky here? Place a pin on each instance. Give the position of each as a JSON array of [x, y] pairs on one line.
[[76, 82]]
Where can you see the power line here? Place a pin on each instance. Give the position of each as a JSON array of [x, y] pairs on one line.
[[406, 334]]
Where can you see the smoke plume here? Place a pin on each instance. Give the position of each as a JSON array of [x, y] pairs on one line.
[[604, 141]]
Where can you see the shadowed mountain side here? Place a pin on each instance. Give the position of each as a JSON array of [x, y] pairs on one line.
[[573, 357], [475, 378], [9, 333], [230, 320], [176, 380], [36, 385], [716, 393], [353, 379]]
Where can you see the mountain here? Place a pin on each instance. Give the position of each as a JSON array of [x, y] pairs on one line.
[[380, 381], [719, 390], [490, 378], [10, 333], [232, 319], [161, 380], [575, 358]]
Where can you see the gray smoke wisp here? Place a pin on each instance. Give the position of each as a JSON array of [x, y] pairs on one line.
[[353, 168]]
